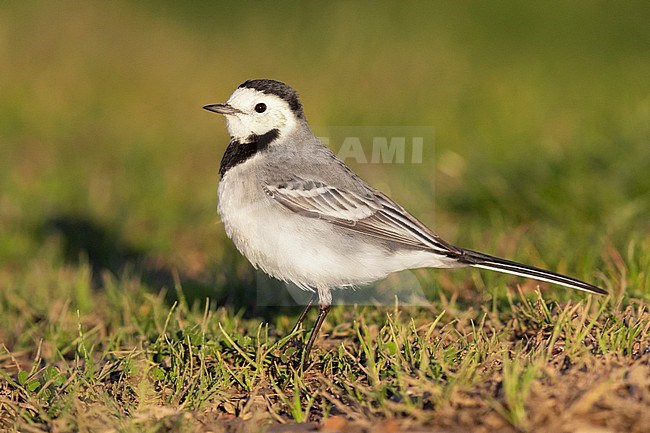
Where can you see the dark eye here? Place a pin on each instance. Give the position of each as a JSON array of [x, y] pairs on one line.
[[261, 107]]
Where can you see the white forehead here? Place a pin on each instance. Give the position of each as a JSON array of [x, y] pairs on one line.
[[245, 97]]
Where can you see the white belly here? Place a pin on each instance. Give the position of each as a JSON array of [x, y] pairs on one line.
[[306, 251]]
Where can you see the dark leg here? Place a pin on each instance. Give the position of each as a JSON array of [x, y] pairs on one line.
[[304, 313], [322, 312]]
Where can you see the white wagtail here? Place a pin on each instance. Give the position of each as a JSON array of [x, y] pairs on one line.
[[296, 211]]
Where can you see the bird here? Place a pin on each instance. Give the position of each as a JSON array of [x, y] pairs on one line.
[[297, 212]]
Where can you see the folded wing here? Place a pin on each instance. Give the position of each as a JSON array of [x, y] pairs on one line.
[[372, 214]]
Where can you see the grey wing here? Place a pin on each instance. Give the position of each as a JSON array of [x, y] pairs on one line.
[[372, 214]]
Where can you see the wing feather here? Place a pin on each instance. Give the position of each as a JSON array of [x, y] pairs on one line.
[[372, 214]]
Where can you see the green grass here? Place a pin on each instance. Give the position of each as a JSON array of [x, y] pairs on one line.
[[124, 307]]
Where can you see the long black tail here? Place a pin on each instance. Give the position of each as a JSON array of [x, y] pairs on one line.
[[484, 261]]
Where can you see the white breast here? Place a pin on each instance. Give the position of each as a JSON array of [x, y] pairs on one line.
[[306, 251]]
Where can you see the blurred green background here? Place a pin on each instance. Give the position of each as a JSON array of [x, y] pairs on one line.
[[541, 113]]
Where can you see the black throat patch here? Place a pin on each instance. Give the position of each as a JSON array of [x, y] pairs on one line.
[[238, 152]]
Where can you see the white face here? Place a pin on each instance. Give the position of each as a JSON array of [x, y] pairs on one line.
[[253, 118]]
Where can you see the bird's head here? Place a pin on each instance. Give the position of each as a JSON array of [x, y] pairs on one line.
[[258, 107]]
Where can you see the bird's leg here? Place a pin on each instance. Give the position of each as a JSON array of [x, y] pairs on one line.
[[304, 313], [301, 318], [322, 312]]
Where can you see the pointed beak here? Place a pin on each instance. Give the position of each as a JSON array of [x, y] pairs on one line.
[[222, 109]]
